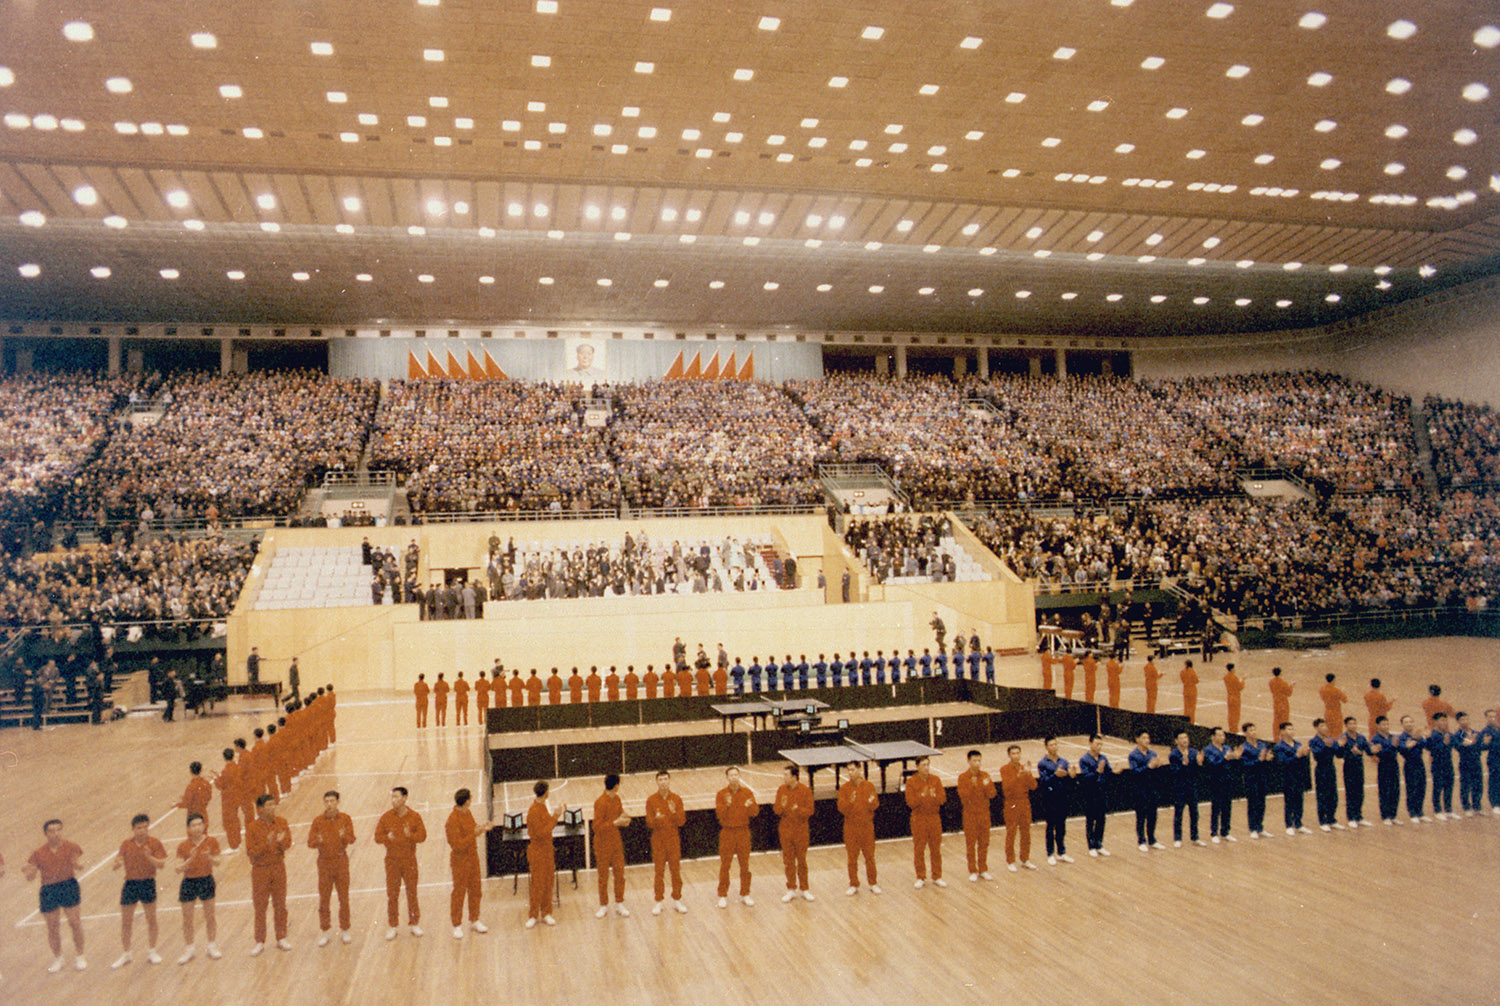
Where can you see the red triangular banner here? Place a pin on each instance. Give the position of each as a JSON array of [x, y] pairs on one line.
[[727, 374], [455, 367], [674, 372], [747, 372], [492, 369], [414, 368], [711, 372], [693, 370], [476, 369]]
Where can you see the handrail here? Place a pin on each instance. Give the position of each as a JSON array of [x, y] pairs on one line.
[[493, 516], [749, 510], [383, 479]]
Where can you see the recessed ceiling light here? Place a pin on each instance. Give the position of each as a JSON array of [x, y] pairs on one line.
[[1015, 97], [1325, 125], [538, 61], [1153, 63], [1329, 163], [1396, 131], [1264, 158], [1064, 52], [1487, 37], [1051, 141], [971, 42], [838, 81], [1476, 92], [1237, 71], [364, 277], [1114, 297], [349, 137], [661, 13], [558, 235], [71, 125], [824, 287], [1097, 106], [691, 134], [769, 23], [301, 277], [1094, 236], [115, 222], [622, 235], [235, 274], [716, 284], [1464, 137], [1094, 256], [321, 48], [873, 246], [694, 215], [416, 230], [118, 85], [1176, 113], [1398, 85], [1312, 20], [974, 134], [1157, 298], [1220, 10], [877, 289], [337, 97], [661, 284], [1457, 173], [1211, 242], [1125, 148], [976, 292], [30, 270], [425, 278], [771, 286], [1291, 266], [1200, 301], [1338, 267], [817, 141], [545, 280], [646, 132], [1333, 298], [178, 198], [344, 228], [253, 133], [1320, 79], [931, 249], [437, 101], [266, 201], [872, 33], [858, 144], [1426, 271], [100, 272], [78, 31], [193, 225], [231, 91], [270, 226], [369, 119], [542, 6], [85, 195], [1401, 29], [744, 74], [617, 213], [532, 145], [1244, 263]]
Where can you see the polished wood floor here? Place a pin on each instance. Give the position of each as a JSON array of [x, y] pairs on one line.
[[1376, 915]]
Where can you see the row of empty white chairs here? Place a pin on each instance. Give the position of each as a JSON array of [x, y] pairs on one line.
[[319, 577]]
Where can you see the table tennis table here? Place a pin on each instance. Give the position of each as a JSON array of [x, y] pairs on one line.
[[758, 710], [882, 753]]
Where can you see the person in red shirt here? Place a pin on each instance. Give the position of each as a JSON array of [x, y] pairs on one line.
[[734, 806], [331, 833], [199, 792], [198, 857], [1234, 685], [632, 683], [1189, 691], [975, 791], [267, 838], [609, 849], [440, 690], [1153, 676], [1281, 697], [794, 807], [1090, 676], [462, 833], [593, 683], [1017, 781], [230, 782], [420, 690], [461, 701], [57, 863], [140, 856], [665, 815], [1068, 665], [1377, 703], [401, 830], [1112, 671], [925, 795], [540, 856], [858, 801]]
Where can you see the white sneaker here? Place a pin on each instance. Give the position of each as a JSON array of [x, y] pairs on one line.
[[788, 896], [1103, 851], [390, 933], [622, 911], [940, 882], [530, 924], [458, 932], [1340, 827], [1144, 847], [1177, 843], [1065, 858], [875, 889], [323, 939], [1468, 813], [1366, 824], [187, 955], [121, 961], [986, 875], [808, 896], [749, 901], [79, 964], [851, 892], [1324, 827], [346, 938], [1013, 868], [1230, 838], [656, 909], [1094, 853], [1214, 839], [919, 884], [723, 902], [256, 950], [1157, 845], [1495, 811], [55, 967], [1387, 822], [1291, 831], [549, 920], [1028, 864], [973, 878], [214, 953], [1254, 835], [602, 912], [1426, 819], [679, 908], [283, 944], [1304, 830], [1051, 860], [416, 930], [152, 957]]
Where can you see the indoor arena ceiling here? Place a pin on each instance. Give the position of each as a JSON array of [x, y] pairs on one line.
[[1097, 166]]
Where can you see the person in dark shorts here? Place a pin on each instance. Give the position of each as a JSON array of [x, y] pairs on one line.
[[198, 857], [57, 863], [140, 856]]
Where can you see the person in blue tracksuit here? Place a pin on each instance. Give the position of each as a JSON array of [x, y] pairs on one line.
[[1354, 748], [1254, 758], [1413, 745], [1053, 774], [1387, 770], [1143, 761], [737, 675], [1492, 756], [1325, 755], [1182, 768], [1093, 778], [820, 670], [836, 671], [1292, 757], [754, 673], [1216, 774], [1440, 751], [1468, 742]]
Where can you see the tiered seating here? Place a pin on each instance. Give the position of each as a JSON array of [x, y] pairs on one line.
[[1465, 442], [323, 577], [609, 567]]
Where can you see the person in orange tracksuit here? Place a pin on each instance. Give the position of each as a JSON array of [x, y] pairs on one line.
[[632, 683], [262, 770], [1234, 685], [975, 791], [440, 689], [668, 682], [421, 690], [517, 690], [721, 680], [651, 681], [267, 838], [229, 782], [1047, 669], [612, 685], [199, 792], [575, 688], [593, 683], [1281, 697], [1153, 676], [1333, 701], [924, 795], [1017, 781], [554, 688], [1068, 664], [482, 696], [533, 689], [250, 786], [331, 833], [858, 801], [609, 849], [1189, 691], [793, 807], [540, 856], [1434, 704], [463, 834], [705, 679], [684, 682], [401, 830], [1112, 672], [665, 814], [1378, 705], [461, 701], [1090, 676], [734, 806]]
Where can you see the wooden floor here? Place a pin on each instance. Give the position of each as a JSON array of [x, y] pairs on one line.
[[1349, 917]]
